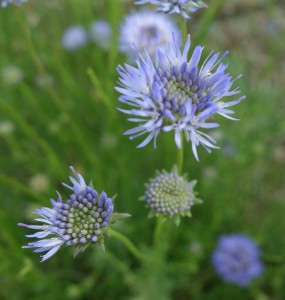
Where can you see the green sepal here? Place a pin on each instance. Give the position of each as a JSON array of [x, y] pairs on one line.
[[176, 220], [118, 216], [197, 201], [80, 248]]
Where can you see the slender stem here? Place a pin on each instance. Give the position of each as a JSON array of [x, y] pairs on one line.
[[157, 231], [119, 265], [184, 30], [129, 245], [209, 17], [180, 155]]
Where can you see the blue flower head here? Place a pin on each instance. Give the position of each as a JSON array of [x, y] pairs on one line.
[[82, 220], [4, 3], [183, 7], [170, 195], [174, 93], [146, 30], [236, 259]]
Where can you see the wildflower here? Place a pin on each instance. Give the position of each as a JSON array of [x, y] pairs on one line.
[[82, 220], [39, 183], [170, 195], [6, 127], [236, 259], [146, 30], [101, 33], [74, 38], [12, 75], [176, 94], [4, 3], [182, 7]]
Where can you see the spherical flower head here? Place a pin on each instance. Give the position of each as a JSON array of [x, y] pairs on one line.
[[178, 94], [82, 220], [236, 259], [101, 33], [170, 195], [182, 7], [74, 37], [4, 3], [146, 30]]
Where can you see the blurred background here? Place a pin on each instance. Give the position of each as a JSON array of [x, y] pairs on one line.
[[58, 108]]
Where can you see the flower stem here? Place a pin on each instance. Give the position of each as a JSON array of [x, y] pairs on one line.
[[180, 155], [184, 30], [129, 245], [158, 227]]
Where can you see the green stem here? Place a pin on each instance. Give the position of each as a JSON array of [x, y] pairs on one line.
[[129, 245], [209, 17], [100, 92], [184, 30], [157, 231], [180, 155]]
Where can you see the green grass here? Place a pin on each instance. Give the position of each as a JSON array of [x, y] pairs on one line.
[[74, 121]]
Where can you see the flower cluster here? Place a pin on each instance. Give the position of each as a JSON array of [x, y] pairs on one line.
[[177, 94], [236, 259], [76, 36], [170, 195], [146, 30], [80, 221], [183, 7], [4, 3]]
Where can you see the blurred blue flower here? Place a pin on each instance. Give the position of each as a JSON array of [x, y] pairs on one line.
[[236, 259], [146, 30], [176, 94], [79, 221], [4, 3], [101, 33], [182, 7], [74, 37]]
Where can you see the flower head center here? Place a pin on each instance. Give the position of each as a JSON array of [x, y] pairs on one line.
[[169, 194], [83, 216], [182, 87], [150, 32]]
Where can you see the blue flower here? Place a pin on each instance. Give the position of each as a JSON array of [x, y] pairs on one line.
[[236, 259], [101, 33], [176, 94], [82, 220], [74, 37], [182, 7], [4, 3], [146, 30]]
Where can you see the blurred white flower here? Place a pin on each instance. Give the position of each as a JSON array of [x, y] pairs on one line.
[[101, 33], [44, 80], [6, 127], [146, 30], [12, 75], [39, 182], [4, 3], [74, 37]]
